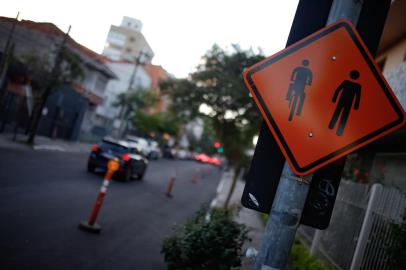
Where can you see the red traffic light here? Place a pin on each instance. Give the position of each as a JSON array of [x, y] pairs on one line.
[[216, 144]]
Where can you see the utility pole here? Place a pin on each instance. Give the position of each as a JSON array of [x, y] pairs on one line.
[[123, 111], [51, 84], [292, 191], [6, 53], [137, 63]]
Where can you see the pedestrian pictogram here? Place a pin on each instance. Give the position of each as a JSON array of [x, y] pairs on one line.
[[323, 97], [348, 91]]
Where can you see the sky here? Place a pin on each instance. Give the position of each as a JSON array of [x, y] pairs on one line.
[[179, 32]]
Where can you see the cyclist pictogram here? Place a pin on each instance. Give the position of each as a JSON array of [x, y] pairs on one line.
[[301, 76]]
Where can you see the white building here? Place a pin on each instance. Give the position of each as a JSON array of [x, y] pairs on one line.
[[126, 42], [126, 51], [108, 113]]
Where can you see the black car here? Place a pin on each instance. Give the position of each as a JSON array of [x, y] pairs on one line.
[[132, 163]]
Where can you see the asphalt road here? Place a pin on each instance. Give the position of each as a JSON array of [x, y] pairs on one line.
[[44, 195]]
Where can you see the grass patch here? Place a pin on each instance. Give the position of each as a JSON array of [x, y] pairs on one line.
[[300, 258]]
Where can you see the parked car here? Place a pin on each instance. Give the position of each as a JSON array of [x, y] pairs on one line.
[[169, 152], [202, 158], [138, 142], [149, 148], [207, 159], [154, 150], [182, 154], [132, 163]]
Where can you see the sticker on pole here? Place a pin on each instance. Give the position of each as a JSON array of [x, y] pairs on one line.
[[323, 97]]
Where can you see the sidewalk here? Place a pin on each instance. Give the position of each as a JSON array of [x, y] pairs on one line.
[[246, 216], [42, 143]]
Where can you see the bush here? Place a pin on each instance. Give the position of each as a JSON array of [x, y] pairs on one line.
[[210, 240], [264, 217], [300, 258]]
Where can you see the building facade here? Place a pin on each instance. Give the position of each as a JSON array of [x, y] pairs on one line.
[[108, 113], [384, 161], [69, 109], [127, 43]]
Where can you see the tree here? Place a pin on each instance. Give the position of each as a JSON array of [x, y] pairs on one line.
[[133, 101], [47, 77], [134, 106], [156, 123], [206, 141], [216, 90]]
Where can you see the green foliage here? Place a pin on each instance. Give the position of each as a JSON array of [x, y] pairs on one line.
[[40, 70], [134, 104], [300, 258], [351, 167], [136, 100], [158, 123], [397, 250], [217, 84], [264, 217], [205, 144], [206, 244]]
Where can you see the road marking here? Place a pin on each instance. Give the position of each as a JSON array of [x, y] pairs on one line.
[[49, 147]]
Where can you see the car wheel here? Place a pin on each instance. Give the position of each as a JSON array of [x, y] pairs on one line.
[[141, 175], [127, 175], [91, 168]]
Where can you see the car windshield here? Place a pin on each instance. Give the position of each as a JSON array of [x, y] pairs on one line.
[[115, 148]]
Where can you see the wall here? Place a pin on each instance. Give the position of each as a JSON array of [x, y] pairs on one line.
[[114, 88], [65, 111], [393, 56], [360, 223]]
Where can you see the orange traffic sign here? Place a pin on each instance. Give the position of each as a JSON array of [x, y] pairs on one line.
[[323, 97]]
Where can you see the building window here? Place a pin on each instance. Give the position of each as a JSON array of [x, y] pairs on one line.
[[116, 38], [132, 39], [128, 50]]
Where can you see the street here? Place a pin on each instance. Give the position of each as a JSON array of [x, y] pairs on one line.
[[45, 194]]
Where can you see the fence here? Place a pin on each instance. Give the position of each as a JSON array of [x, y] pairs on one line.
[[359, 232]]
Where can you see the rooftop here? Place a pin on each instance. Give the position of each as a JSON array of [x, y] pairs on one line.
[[52, 30]]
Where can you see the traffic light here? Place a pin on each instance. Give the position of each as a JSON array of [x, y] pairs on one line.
[[218, 147]]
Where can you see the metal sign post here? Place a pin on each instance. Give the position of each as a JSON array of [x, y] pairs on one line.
[[267, 163], [292, 191]]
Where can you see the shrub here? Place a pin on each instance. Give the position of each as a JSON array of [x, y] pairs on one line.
[[209, 240], [300, 258]]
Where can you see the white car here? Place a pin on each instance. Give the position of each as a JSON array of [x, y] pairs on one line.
[[183, 154], [154, 150], [140, 143], [149, 148]]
